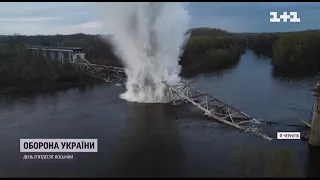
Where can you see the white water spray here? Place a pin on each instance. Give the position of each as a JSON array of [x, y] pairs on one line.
[[148, 37]]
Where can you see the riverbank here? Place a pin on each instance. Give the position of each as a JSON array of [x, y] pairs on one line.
[[24, 73], [208, 54], [292, 54], [137, 139], [204, 52]]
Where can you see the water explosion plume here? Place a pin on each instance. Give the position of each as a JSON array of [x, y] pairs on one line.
[[148, 37]]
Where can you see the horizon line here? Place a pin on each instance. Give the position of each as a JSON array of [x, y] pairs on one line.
[[18, 34]]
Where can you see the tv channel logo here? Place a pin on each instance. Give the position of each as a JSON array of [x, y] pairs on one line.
[[292, 17]]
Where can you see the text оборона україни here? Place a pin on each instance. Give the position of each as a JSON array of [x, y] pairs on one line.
[[61, 146]]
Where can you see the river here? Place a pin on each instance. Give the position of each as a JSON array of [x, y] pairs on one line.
[[162, 140]]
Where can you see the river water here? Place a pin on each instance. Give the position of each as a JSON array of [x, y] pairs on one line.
[[162, 140]]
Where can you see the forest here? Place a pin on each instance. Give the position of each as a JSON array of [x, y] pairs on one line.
[[291, 53], [208, 50]]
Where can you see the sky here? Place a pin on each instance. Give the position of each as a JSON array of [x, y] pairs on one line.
[[29, 18]]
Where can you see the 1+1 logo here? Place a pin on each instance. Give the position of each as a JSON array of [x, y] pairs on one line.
[[292, 16]]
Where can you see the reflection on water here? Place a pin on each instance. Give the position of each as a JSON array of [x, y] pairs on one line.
[[264, 161], [152, 148], [298, 74]]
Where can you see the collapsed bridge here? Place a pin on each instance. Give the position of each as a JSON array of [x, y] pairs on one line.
[[184, 92]]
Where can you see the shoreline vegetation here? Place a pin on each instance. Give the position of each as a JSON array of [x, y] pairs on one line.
[[209, 50]]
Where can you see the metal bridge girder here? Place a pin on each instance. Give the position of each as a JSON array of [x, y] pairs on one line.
[[185, 92]]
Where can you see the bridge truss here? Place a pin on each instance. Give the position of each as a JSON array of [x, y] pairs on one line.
[[185, 93]]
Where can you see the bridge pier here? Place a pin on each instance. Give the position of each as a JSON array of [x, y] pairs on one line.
[[61, 56], [314, 138], [45, 54], [52, 56]]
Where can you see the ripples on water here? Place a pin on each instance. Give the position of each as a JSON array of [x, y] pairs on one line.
[[160, 140]]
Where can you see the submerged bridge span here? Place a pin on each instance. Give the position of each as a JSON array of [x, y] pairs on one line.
[[183, 92]]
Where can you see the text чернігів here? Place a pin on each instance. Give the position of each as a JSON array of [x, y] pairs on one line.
[[58, 145]]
